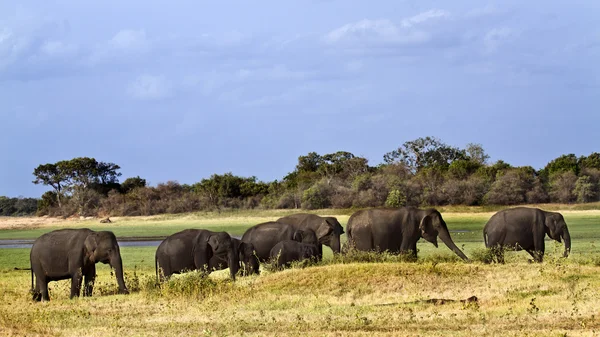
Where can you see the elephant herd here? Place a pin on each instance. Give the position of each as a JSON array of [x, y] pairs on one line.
[[73, 253]]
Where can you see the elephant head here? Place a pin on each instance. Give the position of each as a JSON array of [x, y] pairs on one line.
[[432, 225], [556, 228], [309, 251], [222, 244], [103, 247], [306, 236], [248, 258], [329, 232]]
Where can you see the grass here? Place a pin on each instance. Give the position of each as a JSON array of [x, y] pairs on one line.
[[355, 295]]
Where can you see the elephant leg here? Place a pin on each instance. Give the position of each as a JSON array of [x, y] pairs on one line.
[[41, 289], [539, 247], [89, 278], [320, 253], [498, 253], [537, 255], [76, 283]]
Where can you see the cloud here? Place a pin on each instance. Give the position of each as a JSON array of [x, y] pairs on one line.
[[425, 16], [496, 37], [274, 73], [384, 31], [58, 48], [124, 44], [130, 40], [149, 87]]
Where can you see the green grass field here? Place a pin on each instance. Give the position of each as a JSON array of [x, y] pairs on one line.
[[340, 297]]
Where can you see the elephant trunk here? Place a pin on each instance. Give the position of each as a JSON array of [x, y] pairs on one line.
[[117, 264], [445, 237], [234, 261], [567, 237], [334, 244]]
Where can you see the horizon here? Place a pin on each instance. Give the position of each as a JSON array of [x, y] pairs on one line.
[[183, 92]]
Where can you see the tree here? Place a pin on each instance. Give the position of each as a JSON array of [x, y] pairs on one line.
[[564, 163], [54, 176], [584, 189], [562, 186], [476, 153], [79, 177], [424, 153], [131, 183], [590, 162]]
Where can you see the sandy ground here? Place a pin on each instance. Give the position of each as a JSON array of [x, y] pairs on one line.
[[45, 221]]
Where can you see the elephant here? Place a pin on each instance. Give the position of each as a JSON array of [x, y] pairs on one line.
[[248, 261], [266, 235], [192, 249], [288, 251], [524, 228], [397, 230], [328, 229], [73, 253]]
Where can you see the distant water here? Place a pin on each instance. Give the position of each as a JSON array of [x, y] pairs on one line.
[[124, 243]]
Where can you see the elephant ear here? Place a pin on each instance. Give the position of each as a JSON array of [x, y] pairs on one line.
[[428, 230], [213, 242], [551, 224], [245, 250], [298, 235], [335, 224], [323, 231], [90, 244]]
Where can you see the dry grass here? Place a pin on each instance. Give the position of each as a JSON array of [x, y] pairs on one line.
[[354, 299]]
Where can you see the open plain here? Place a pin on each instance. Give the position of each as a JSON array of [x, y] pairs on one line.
[[352, 295]]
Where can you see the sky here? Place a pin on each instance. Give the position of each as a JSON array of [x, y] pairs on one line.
[[179, 90]]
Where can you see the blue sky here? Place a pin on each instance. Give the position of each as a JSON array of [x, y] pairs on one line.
[[181, 90]]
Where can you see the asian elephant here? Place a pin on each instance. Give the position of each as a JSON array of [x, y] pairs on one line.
[[328, 229], [73, 253], [524, 228], [266, 235], [192, 249], [248, 261], [285, 252], [398, 230]]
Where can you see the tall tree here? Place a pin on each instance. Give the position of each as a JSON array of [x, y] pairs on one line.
[[54, 176], [425, 152]]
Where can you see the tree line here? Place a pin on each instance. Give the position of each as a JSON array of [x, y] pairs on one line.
[[421, 172]]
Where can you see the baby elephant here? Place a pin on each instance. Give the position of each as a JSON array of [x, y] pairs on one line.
[[288, 251]]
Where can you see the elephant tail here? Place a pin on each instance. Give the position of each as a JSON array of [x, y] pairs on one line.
[[485, 238], [156, 268]]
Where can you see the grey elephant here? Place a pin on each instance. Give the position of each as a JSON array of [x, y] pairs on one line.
[[288, 251], [524, 228], [397, 230], [73, 253], [327, 229], [265, 236], [192, 249], [249, 263]]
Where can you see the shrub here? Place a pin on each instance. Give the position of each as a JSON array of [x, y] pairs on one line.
[[395, 199], [562, 186]]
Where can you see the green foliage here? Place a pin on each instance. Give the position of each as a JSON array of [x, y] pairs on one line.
[[131, 183], [564, 163], [462, 169], [585, 189], [590, 162], [315, 198], [395, 199], [17, 206], [424, 153]]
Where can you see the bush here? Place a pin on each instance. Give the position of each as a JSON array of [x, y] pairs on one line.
[[315, 197], [562, 186], [395, 199]]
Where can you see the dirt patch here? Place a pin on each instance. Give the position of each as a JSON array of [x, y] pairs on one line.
[[31, 222]]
